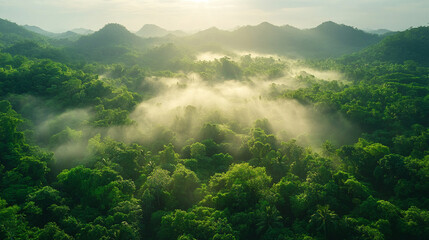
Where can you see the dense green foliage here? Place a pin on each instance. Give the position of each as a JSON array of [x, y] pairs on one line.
[[408, 45], [11, 33], [64, 175]]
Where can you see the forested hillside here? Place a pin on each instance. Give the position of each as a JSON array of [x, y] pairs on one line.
[[113, 136], [11, 33], [411, 44], [70, 35], [326, 40]]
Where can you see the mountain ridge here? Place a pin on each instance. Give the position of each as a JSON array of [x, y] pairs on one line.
[[152, 31], [12, 33], [328, 39]]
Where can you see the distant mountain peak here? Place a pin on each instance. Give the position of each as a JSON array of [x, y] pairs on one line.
[[266, 24], [335, 28], [212, 29], [288, 27], [82, 31], [153, 26], [112, 34], [114, 27], [329, 25], [152, 30]]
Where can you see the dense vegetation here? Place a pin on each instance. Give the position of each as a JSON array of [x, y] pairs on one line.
[[65, 174]]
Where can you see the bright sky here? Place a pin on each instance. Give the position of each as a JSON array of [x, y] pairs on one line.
[[61, 15]]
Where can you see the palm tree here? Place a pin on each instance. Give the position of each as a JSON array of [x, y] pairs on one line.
[[268, 218], [324, 218]]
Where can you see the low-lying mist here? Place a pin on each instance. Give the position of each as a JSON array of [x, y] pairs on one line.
[[180, 107], [295, 68], [65, 132], [184, 105]]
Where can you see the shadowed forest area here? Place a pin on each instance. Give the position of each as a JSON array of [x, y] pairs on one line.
[[263, 132]]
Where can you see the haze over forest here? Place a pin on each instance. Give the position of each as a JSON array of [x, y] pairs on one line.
[[284, 120]]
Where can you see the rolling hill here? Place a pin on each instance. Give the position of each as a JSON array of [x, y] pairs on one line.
[[70, 35], [112, 41], [11, 33], [110, 35], [412, 44]]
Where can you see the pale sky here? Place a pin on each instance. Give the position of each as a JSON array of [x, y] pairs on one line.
[[62, 15]]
